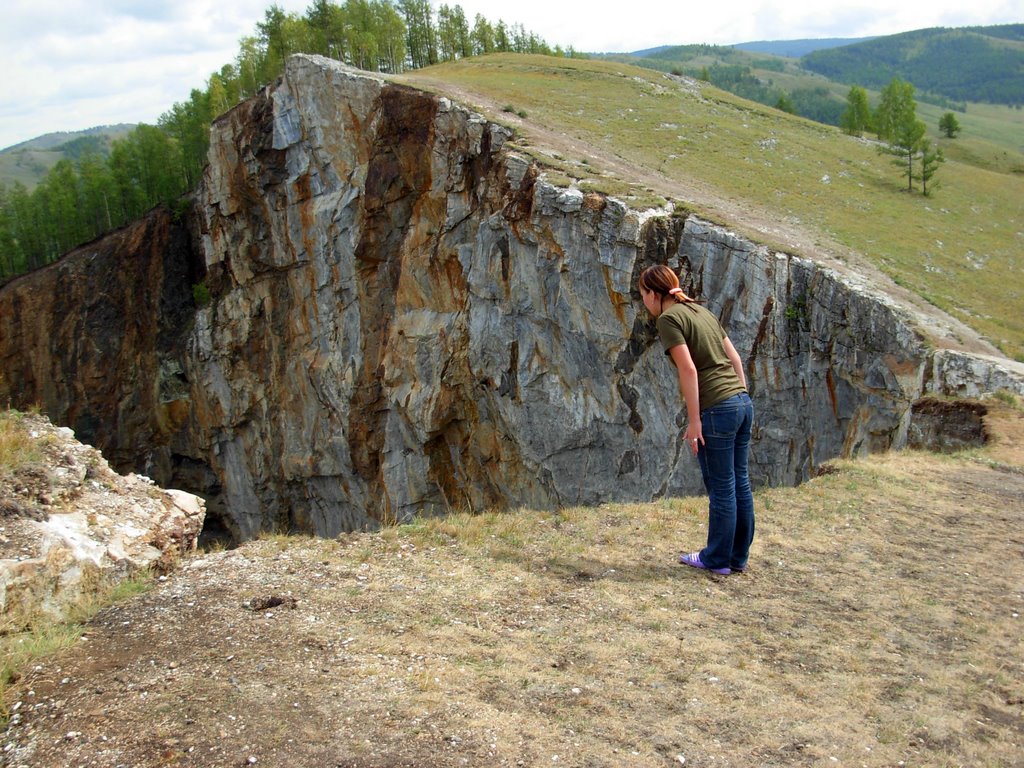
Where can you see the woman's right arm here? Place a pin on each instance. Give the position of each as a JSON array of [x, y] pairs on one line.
[[690, 392], [734, 358]]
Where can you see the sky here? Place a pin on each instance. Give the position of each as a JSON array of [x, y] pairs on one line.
[[74, 64]]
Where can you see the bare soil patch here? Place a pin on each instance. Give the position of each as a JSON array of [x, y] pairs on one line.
[[879, 625]]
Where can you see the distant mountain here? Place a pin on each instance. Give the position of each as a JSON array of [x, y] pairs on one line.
[[29, 161], [794, 49], [965, 64], [648, 51], [54, 140]]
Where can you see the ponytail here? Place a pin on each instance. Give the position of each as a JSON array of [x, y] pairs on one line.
[[663, 282]]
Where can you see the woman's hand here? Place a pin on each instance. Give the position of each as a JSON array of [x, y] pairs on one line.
[[694, 436], [689, 390]]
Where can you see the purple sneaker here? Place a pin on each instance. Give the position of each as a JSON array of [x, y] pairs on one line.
[[693, 560]]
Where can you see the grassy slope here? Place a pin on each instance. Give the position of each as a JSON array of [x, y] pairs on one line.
[[27, 166], [959, 248]]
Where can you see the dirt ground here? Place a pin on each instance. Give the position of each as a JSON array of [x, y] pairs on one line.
[[878, 625]]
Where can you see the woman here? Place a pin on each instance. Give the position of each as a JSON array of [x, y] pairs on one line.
[[719, 416]]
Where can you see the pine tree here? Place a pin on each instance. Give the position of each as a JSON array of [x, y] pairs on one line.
[[931, 157], [904, 145], [785, 104], [482, 36]]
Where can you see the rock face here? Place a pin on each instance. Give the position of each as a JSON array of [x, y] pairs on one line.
[[946, 426], [68, 522], [404, 318]]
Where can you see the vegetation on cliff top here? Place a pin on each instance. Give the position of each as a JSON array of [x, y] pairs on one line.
[[959, 250], [87, 193]]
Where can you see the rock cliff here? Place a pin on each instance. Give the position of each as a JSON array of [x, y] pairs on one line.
[[404, 318]]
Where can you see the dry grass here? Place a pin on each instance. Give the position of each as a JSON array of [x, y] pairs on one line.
[[17, 448], [879, 625]]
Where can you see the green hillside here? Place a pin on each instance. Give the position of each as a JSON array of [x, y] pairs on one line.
[[28, 162], [983, 64], [794, 49], [992, 137], [761, 77], [646, 137]]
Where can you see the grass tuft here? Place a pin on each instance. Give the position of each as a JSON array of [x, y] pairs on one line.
[[26, 639], [18, 450]]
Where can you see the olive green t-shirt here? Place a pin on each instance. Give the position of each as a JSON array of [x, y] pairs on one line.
[[694, 326]]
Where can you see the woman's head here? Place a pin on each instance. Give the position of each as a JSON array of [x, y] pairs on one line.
[[658, 283]]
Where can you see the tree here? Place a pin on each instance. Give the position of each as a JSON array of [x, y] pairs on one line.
[[188, 122], [319, 17], [421, 37], [96, 188], [447, 34], [362, 34], [59, 190], [251, 64], [896, 109], [391, 34], [931, 157], [904, 145], [13, 204], [27, 222], [785, 104], [948, 125], [223, 89], [482, 36], [502, 42], [273, 35], [896, 123], [857, 117]]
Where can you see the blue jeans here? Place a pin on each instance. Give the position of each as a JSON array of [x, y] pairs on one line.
[[723, 463]]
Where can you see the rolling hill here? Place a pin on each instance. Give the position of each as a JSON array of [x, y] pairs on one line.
[[29, 161], [794, 49], [992, 131], [983, 64]]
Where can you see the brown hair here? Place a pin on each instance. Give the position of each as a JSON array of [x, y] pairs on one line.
[[662, 281]]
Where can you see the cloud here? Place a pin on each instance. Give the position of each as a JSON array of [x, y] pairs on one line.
[[73, 64]]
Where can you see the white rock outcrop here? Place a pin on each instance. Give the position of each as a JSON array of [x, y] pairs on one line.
[[70, 524]]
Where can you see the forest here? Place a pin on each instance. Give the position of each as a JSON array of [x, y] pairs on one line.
[[981, 64], [96, 188]]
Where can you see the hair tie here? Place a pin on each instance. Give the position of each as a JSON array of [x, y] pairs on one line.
[[674, 291]]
